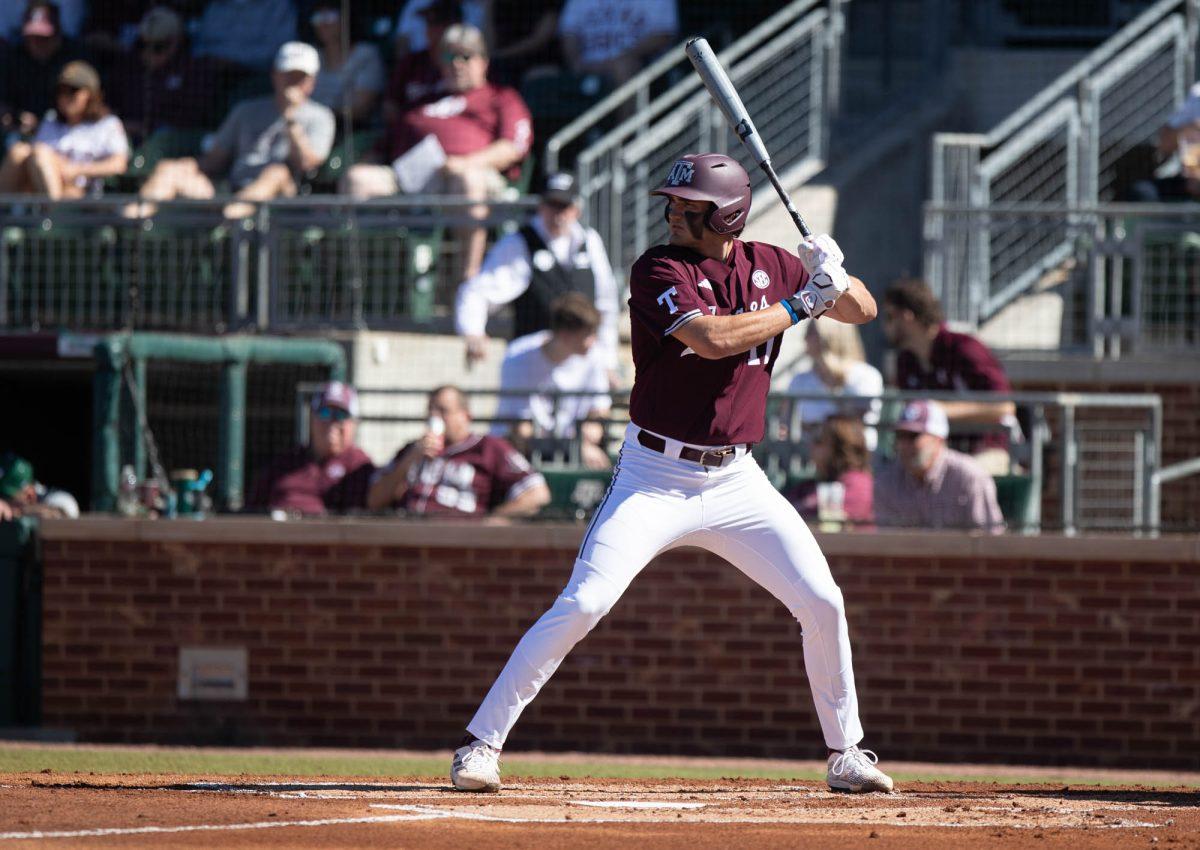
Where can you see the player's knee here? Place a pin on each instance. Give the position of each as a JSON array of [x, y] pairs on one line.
[[586, 606], [824, 611]]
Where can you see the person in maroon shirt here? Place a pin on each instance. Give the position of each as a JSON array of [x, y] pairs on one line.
[[329, 475], [484, 131], [453, 472], [933, 357], [843, 463], [708, 311]]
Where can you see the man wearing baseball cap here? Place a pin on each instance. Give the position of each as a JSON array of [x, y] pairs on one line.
[[930, 485], [264, 147], [552, 255], [329, 475], [30, 68]]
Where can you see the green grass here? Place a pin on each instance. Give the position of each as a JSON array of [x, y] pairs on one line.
[[202, 763]]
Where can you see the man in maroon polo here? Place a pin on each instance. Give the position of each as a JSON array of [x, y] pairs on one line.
[[933, 357], [708, 314], [329, 475]]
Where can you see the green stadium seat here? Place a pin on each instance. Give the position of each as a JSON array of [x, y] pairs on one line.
[[574, 492], [1018, 501]]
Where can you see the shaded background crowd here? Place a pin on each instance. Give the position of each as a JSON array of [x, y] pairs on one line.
[[240, 102]]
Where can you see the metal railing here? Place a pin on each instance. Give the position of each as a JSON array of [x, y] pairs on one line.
[[785, 71], [1125, 278], [1068, 145], [301, 263], [1092, 459]]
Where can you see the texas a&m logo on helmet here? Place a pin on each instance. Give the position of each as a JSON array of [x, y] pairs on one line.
[[682, 173]]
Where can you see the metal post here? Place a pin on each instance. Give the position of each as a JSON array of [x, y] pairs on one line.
[[1152, 482], [231, 441], [1036, 460], [138, 393], [1070, 451], [106, 426], [1140, 479]]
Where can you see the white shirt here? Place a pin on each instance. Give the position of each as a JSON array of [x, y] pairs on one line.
[[506, 273], [608, 28], [87, 141], [862, 379], [526, 367]]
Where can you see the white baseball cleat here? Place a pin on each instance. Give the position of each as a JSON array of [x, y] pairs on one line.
[[476, 767], [854, 771]]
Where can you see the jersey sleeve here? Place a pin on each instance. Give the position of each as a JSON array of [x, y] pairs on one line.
[[516, 124], [512, 474], [661, 298]]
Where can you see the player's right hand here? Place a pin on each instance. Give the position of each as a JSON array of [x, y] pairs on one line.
[[817, 252], [476, 349]]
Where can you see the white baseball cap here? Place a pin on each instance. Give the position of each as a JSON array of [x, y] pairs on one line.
[[924, 417], [298, 56]]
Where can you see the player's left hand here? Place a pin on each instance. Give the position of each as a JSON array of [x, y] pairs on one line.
[[818, 251]]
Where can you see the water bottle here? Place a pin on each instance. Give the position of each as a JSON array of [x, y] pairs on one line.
[[128, 503]]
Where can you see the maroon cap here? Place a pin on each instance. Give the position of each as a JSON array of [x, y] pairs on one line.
[[716, 178]]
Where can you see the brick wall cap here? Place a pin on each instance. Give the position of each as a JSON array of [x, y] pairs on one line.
[[567, 536]]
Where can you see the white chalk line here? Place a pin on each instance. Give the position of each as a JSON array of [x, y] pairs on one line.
[[635, 804], [206, 827]]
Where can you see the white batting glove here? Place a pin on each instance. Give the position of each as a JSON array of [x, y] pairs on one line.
[[827, 280], [817, 251]]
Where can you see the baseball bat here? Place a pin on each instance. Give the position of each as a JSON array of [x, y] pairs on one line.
[[726, 97]]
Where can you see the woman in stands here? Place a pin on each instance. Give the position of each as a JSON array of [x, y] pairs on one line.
[[352, 74], [838, 369], [842, 491], [78, 144]]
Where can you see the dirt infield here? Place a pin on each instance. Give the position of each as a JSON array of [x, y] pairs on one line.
[[73, 810]]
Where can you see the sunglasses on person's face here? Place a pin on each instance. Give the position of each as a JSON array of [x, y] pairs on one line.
[[332, 414], [327, 16], [156, 46], [449, 57]]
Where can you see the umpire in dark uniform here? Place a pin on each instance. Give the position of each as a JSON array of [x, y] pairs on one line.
[[551, 255]]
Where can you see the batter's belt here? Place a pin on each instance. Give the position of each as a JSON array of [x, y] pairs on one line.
[[704, 457]]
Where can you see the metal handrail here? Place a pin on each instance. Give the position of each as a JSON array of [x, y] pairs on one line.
[[639, 84]]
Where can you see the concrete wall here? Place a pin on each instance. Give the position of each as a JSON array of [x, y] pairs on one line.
[[1037, 650]]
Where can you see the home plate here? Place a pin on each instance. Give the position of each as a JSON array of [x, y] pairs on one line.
[[635, 804]]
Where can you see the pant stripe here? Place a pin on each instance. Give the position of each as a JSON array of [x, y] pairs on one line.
[[600, 507]]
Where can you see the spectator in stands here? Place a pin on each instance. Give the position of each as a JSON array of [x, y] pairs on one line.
[[553, 254], [1178, 139], [561, 359], [524, 38], [160, 84], [838, 369], [452, 472], [329, 475], [412, 33], [929, 484], [349, 80], [244, 33], [616, 38], [842, 489], [264, 148], [31, 68], [13, 17], [465, 142], [933, 357], [22, 495], [77, 145], [417, 75]]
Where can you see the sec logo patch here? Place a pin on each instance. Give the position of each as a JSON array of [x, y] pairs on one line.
[[760, 279]]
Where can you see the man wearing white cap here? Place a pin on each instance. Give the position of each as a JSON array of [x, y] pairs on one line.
[[930, 485], [263, 148]]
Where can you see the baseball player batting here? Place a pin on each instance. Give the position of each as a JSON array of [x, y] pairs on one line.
[[709, 312]]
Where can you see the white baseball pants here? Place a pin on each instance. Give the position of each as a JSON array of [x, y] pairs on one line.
[[657, 502]]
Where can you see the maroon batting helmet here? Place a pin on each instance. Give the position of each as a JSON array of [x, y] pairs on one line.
[[716, 178]]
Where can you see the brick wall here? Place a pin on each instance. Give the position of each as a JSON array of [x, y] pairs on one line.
[[1039, 650]]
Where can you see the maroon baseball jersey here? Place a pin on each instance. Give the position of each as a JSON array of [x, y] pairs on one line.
[[470, 478], [957, 362], [298, 482], [467, 122], [676, 392]]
